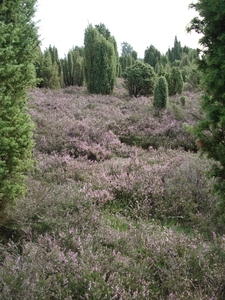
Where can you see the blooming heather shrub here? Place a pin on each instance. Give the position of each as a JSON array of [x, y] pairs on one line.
[[126, 227], [163, 132], [79, 130], [173, 189], [188, 195], [66, 123], [149, 262]]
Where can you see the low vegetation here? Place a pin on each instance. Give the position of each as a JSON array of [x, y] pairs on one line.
[[119, 204]]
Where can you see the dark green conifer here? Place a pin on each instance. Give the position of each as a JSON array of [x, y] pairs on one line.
[[175, 81], [210, 131], [18, 47], [100, 61], [140, 79], [49, 71], [73, 68], [161, 93], [152, 56]]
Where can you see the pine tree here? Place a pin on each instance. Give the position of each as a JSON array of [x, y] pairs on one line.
[[18, 47], [100, 61], [161, 93], [210, 131]]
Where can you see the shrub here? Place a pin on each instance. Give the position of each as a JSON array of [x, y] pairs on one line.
[[183, 100], [140, 79]]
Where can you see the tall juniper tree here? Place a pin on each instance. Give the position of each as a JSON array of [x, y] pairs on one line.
[[72, 66], [152, 56], [210, 131], [161, 93], [175, 81], [18, 45], [100, 60]]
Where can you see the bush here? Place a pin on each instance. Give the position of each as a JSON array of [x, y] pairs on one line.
[[183, 100], [140, 79]]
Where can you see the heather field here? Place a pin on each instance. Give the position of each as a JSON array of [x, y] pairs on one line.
[[119, 204]]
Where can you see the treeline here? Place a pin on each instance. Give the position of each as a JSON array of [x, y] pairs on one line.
[[97, 64], [53, 72]]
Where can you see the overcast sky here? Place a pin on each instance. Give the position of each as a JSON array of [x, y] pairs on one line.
[[140, 23]]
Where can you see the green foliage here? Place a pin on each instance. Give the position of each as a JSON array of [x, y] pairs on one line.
[[126, 49], [126, 61], [48, 68], [140, 79], [134, 55], [18, 47], [56, 61], [210, 130], [160, 70], [183, 100], [193, 77], [175, 81], [176, 52], [50, 71], [100, 60], [179, 53], [161, 93], [73, 68], [152, 56]]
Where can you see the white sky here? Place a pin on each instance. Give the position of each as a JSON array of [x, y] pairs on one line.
[[139, 23]]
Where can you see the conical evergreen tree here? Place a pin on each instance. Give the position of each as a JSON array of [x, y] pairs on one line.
[[161, 93], [49, 72], [73, 69], [175, 81], [210, 131], [18, 47], [126, 61], [100, 61], [152, 56]]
